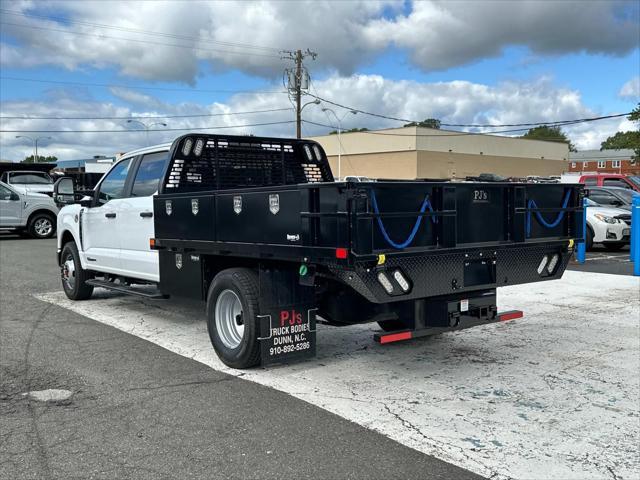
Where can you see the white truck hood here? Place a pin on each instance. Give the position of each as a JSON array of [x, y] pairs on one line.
[[33, 188]]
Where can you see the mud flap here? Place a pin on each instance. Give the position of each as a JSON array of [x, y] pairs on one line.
[[287, 317]]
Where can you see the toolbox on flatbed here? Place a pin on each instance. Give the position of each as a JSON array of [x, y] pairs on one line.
[[413, 254]]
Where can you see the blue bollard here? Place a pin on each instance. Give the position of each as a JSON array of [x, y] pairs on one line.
[[633, 230], [581, 253], [635, 235]]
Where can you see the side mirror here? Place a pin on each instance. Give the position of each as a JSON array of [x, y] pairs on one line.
[[14, 197], [617, 203], [64, 191]]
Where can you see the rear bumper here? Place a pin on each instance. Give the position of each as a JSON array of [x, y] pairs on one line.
[[457, 272]]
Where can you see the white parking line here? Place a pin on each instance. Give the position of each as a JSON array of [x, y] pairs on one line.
[[553, 395], [620, 258]]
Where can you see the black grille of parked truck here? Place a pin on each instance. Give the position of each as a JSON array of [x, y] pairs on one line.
[[259, 229]]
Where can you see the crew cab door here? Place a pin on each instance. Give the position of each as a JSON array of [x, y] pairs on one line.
[[135, 217], [102, 231], [10, 207]]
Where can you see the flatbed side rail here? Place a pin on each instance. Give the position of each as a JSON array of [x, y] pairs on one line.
[[466, 214], [314, 220]]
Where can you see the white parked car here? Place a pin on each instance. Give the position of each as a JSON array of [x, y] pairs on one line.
[[608, 226], [26, 181], [30, 212]]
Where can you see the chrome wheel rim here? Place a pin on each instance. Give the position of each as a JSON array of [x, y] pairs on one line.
[[69, 272], [229, 319], [43, 227]]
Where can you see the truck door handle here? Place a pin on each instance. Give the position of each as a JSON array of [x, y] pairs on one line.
[[146, 214], [110, 215]]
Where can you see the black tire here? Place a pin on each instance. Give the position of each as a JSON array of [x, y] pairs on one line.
[[78, 289], [589, 239], [42, 225], [614, 247], [244, 283], [392, 325]]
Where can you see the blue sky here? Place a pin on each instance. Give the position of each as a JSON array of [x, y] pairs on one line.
[[458, 61]]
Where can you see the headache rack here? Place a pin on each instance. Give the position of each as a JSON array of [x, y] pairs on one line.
[[202, 162]]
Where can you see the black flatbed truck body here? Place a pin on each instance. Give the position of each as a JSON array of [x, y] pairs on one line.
[[272, 204]]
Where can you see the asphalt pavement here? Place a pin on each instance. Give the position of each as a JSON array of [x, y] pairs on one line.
[[601, 260], [140, 411]]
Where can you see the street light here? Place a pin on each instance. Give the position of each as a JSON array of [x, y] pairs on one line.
[[339, 120], [35, 144], [146, 126], [314, 102]]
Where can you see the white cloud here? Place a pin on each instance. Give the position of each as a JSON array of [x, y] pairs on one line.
[[631, 89], [452, 102], [443, 34], [437, 34]]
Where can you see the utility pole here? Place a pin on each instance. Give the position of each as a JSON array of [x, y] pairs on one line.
[[298, 94], [295, 82]]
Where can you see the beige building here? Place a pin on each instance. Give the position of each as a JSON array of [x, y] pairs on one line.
[[417, 152]]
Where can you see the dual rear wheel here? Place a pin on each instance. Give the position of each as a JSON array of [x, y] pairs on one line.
[[232, 317]]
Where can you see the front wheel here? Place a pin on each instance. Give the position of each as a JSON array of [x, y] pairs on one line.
[[589, 239], [74, 277], [42, 225], [232, 317]]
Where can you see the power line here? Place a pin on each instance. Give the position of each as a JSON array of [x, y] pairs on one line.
[[136, 40], [471, 125], [148, 116], [195, 129], [166, 89], [140, 31], [448, 133]]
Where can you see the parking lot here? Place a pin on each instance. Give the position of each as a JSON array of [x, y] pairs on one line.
[[600, 260], [554, 393]]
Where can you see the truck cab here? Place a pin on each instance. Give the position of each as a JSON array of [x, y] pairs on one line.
[[113, 224]]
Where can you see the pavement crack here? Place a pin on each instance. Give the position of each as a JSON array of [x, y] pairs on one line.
[[182, 384], [41, 450]]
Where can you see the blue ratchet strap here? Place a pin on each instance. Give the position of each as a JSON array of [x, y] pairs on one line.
[[425, 204], [540, 218]]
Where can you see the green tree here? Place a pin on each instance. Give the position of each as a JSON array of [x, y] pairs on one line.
[[351, 130], [427, 123], [47, 159], [634, 116], [551, 134], [622, 140]]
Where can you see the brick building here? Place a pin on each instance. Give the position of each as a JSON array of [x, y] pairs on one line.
[[604, 161]]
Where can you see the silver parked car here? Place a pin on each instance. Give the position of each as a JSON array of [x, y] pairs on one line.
[[27, 212]]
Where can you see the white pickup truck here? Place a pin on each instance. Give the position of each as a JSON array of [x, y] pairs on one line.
[[27, 212], [109, 231], [258, 228]]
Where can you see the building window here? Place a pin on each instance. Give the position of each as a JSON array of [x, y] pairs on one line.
[[573, 164], [585, 165], [615, 163], [602, 164]]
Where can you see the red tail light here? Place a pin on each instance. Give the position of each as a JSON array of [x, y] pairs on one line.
[[342, 253]]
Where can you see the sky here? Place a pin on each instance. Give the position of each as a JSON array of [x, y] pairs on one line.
[[77, 71]]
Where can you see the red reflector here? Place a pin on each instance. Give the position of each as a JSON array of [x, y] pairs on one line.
[[395, 337], [511, 315], [341, 253]]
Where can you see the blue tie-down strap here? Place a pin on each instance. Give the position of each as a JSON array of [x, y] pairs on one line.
[[425, 204], [540, 218]]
